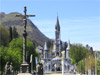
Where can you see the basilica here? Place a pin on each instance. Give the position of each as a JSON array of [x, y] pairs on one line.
[[52, 63]]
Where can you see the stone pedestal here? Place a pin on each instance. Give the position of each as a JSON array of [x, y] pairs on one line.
[[24, 68]]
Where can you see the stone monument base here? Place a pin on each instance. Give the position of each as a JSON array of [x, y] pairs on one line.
[[24, 68], [24, 74]]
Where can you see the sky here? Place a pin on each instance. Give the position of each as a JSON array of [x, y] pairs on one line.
[[79, 19]]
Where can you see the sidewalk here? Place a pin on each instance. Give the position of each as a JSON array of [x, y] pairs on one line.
[[53, 74], [60, 74]]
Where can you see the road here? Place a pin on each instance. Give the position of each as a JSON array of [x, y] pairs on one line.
[[60, 74]]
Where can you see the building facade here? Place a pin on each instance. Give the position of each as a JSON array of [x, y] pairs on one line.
[[53, 62]]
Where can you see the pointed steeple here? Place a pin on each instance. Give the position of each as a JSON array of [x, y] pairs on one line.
[[57, 25], [45, 46], [68, 48]]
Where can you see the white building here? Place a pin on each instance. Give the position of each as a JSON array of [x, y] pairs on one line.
[[53, 63]]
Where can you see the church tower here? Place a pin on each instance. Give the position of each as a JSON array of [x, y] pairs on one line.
[[57, 42], [46, 51]]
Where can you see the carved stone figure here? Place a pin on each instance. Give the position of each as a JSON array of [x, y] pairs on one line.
[[6, 68], [41, 66], [11, 68]]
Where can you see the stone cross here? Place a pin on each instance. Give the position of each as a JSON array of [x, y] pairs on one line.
[[25, 16]]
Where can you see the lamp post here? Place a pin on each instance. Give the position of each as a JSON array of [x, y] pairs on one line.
[[55, 67], [63, 52], [90, 66]]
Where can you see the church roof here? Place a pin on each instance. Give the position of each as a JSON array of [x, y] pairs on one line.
[[57, 24], [45, 46]]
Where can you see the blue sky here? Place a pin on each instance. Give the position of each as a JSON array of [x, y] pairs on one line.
[[79, 19]]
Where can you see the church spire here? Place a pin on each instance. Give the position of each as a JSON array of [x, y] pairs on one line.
[[46, 50], [57, 44], [45, 46], [68, 48], [57, 25]]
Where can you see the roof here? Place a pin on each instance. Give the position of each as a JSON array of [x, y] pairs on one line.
[[45, 46]]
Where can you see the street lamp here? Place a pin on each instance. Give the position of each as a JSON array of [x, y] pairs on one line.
[[55, 67], [63, 52], [90, 65]]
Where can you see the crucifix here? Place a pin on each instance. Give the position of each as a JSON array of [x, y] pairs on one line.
[[25, 16]]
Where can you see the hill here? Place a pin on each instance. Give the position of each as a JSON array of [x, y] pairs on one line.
[[10, 20]]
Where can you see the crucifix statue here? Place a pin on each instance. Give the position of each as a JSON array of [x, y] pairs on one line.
[[24, 66]]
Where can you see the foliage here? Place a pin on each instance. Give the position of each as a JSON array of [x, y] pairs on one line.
[[4, 36], [14, 32], [86, 64], [90, 63], [3, 57], [77, 52], [98, 66], [18, 43], [81, 66], [14, 53]]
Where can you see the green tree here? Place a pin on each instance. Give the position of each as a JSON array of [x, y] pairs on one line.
[[17, 45], [81, 66], [14, 53], [98, 66], [14, 32], [4, 36], [90, 63], [4, 57], [77, 53]]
